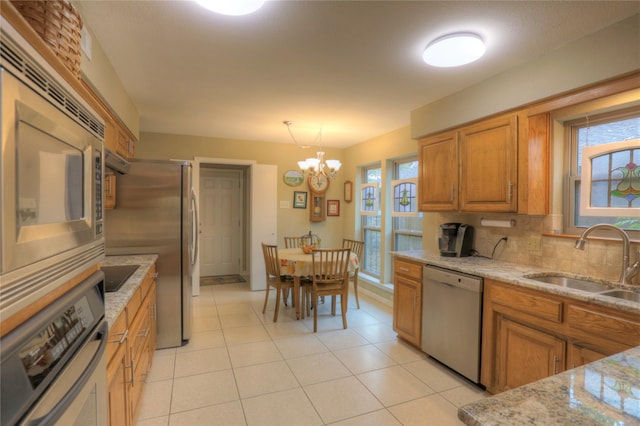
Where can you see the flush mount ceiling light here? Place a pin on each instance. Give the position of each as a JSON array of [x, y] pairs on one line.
[[231, 7], [454, 50]]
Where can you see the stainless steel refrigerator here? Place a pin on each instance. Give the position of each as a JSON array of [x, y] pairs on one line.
[[155, 212]]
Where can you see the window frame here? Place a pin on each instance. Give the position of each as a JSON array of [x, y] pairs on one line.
[[366, 227], [573, 173], [396, 231]]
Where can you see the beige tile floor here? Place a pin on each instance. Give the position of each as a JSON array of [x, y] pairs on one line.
[[241, 368]]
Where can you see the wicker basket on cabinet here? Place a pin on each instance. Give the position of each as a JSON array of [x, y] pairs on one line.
[[59, 24]]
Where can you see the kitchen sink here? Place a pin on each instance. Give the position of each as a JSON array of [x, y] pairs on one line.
[[623, 294], [570, 282]]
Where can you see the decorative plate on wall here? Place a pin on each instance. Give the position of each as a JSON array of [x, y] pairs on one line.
[[293, 178]]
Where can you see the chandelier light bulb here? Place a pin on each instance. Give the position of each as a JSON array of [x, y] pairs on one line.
[[313, 163], [231, 7], [454, 50], [334, 165]]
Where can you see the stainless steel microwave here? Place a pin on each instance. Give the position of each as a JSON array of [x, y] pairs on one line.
[[51, 170]]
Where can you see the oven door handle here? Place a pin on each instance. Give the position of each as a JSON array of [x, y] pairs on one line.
[[69, 397]]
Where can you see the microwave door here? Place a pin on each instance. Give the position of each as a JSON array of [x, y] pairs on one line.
[[51, 174]]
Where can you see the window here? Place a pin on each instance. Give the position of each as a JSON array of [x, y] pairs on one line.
[[407, 230], [371, 227], [598, 131]]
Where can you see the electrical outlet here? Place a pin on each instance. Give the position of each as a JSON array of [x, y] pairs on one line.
[[534, 244]]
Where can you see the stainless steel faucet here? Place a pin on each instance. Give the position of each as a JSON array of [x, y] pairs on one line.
[[627, 271]]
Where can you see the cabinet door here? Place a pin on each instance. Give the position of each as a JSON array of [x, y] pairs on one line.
[[525, 354], [407, 309], [488, 173], [579, 355], [533, 164], [438, 175], [110, 135], [110, 191], [125, 144], [118, 388], [153, 318]]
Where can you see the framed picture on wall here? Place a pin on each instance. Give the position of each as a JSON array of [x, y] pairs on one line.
[[333, 207], [348, 191], [299, 200]]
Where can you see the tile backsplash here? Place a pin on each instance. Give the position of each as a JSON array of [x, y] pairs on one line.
[[526, 245]]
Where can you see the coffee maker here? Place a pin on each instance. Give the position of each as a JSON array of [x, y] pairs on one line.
[[455, 239]]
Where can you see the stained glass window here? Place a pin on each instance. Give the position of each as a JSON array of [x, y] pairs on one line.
[[610, 185], [405, 197], [611, 179]]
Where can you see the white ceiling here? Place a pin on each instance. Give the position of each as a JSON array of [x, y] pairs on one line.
[[352, 67]]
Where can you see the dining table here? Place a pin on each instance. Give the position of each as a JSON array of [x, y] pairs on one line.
[[296, 263]]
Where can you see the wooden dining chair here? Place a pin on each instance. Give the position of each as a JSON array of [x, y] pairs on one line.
[[272, 268], [330, 278], [296, 242], [312, 239], [356, 247]]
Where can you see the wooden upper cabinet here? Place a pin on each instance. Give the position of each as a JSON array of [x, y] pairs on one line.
[[488, 166], [471, 169], [533, 164], [126, 145], [110, 135], [118, 140], [438, 175]]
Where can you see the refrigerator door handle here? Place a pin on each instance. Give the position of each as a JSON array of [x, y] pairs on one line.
[[195, 239]]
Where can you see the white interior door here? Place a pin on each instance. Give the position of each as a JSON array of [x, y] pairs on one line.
[[220, 217], [264, 218]]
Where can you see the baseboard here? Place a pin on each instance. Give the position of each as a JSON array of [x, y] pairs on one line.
[[382, 300]]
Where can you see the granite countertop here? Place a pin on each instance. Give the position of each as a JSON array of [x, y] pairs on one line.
[[115, 302], [605, 392], [514, 274]]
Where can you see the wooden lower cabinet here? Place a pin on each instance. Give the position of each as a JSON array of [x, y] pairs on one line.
[[528, 335], [407, 301], [578, 355], [118, 380], [526, 354], [132, 341]]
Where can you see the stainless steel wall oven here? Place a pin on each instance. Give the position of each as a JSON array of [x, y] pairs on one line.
[[54, 364], [51, 168]]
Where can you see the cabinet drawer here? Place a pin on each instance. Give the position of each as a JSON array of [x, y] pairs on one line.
[[133, 306], [117, 336], [537, 306], [139, 330], [409, 269], [148, 280], [603, 325]]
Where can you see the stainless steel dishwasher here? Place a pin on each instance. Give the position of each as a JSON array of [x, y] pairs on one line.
[[452, 319]]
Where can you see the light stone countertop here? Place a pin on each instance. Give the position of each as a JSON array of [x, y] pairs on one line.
[[115, 302], [605, 392], [514, 274]]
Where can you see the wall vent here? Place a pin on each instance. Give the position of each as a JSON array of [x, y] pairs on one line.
[[18, 62]]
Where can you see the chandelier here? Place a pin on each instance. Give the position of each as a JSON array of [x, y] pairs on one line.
[[318, 165]]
